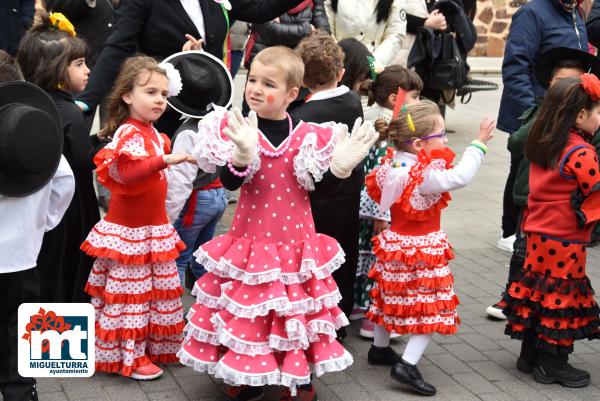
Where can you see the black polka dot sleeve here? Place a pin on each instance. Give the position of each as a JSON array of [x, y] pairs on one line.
[[583, 165]]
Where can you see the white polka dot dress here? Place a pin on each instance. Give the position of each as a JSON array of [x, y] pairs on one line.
[[266, 311], [413, 290], [134, 282]]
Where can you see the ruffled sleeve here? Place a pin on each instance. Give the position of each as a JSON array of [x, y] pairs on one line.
[[130, 144], [213, 148], [582, 164], [315, 152]]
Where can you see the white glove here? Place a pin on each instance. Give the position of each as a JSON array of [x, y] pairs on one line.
[[244, 134], [350, 151]]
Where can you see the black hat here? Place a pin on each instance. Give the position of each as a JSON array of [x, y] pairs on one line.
[[546, 63], [206, 82], [31, 138]]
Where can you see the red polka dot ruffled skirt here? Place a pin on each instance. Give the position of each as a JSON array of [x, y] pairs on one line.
[[413, 290], [266, 313], [552, 298], [136, 292]]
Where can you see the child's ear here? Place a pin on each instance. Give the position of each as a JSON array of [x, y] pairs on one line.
[[581, 116], [417, 145], [391, 100], [340, 75], [126, 97], [293, 94]]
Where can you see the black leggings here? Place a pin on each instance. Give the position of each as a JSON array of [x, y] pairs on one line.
[[510, 211]]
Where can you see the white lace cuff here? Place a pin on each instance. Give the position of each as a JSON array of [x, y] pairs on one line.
[[312, 162]]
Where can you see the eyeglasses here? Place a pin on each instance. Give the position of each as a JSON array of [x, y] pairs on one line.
[[441, 135]]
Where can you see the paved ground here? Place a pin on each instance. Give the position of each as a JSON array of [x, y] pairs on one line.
[[476, 364]]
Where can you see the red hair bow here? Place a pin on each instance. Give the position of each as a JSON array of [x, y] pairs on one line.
[[591, 86]]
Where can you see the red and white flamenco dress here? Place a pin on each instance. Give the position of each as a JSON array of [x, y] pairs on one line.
[[134, 282], [266, 310], [413, 291]]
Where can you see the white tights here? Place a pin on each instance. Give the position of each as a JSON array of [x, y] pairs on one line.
[[417, 343]]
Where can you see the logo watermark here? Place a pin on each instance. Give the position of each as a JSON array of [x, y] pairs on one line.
[[56, 340]]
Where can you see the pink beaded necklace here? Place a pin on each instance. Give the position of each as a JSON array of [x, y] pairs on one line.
[[286, 143]]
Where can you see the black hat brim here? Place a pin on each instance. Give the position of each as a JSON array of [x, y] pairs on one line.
[[206, 82], [547, 62], [26, 93]]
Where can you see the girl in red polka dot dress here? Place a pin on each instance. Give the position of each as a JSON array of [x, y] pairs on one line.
[[134, 282], [266, 310], [552, 302], [414, 291]]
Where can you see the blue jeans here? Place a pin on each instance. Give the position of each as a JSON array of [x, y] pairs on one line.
[[210, 205], [236, 61]]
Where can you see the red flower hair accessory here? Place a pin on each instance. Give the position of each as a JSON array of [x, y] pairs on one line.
[[400, 99], [591, 86]]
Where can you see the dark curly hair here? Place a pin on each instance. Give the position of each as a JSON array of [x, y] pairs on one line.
[[323, 59]]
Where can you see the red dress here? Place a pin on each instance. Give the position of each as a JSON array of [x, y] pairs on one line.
[[413, 290], [553, 296], [134, 283]]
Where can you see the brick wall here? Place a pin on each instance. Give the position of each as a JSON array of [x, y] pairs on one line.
[[493, 20]]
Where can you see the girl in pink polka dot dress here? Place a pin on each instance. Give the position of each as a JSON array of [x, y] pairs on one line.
[[266, 310], [134, 282]]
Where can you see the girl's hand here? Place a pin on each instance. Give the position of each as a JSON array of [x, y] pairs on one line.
[[486, 129], [244, 134], [436, 20], [192, 43], [177, 158], [379, 226]]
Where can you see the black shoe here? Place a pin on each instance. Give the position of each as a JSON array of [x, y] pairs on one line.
[[242, 393], [190, 280], [341, 334], [408, 374], [384, 356], [34, 393], [555, 369], [524, 366]]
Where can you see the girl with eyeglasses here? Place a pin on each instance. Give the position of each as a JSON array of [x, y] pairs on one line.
[[413, 292]]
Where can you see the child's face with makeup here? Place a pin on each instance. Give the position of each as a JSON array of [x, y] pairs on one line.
[[266, 91]]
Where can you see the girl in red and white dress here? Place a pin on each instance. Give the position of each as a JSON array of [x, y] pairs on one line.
[[413, 292], [134, 282], [266, 310]]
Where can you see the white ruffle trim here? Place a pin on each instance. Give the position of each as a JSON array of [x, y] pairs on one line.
[[199, 366], [286, 344], [240, 346], [279, 305], [333, 365], [312, 305], [293, 382], [204, 298], [311, 163], [235, 378], [212, 150], [308, 268], [341, 321], [316, 327], [200, 334]]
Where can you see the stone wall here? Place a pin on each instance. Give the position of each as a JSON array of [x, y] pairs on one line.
[[492, 22]]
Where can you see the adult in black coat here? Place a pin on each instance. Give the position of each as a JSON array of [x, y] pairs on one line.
[[92, 19], [16, 17], [593, 24], [158, 29]]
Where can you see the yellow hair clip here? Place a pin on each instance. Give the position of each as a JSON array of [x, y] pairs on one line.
[[60, 22], [410, 122]]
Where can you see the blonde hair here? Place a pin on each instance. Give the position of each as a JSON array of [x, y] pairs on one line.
[[399, 131], [129, 75], [286, 60]]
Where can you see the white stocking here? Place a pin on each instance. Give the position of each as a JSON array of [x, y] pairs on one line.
[[415, 347], [382, 337]]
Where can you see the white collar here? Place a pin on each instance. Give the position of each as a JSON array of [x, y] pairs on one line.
[[329, 93]]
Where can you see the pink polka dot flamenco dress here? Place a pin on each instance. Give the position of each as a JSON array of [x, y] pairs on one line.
[[266, 310]]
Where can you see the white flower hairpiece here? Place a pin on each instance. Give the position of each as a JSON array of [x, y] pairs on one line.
[[225, 3], [174, 78]]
